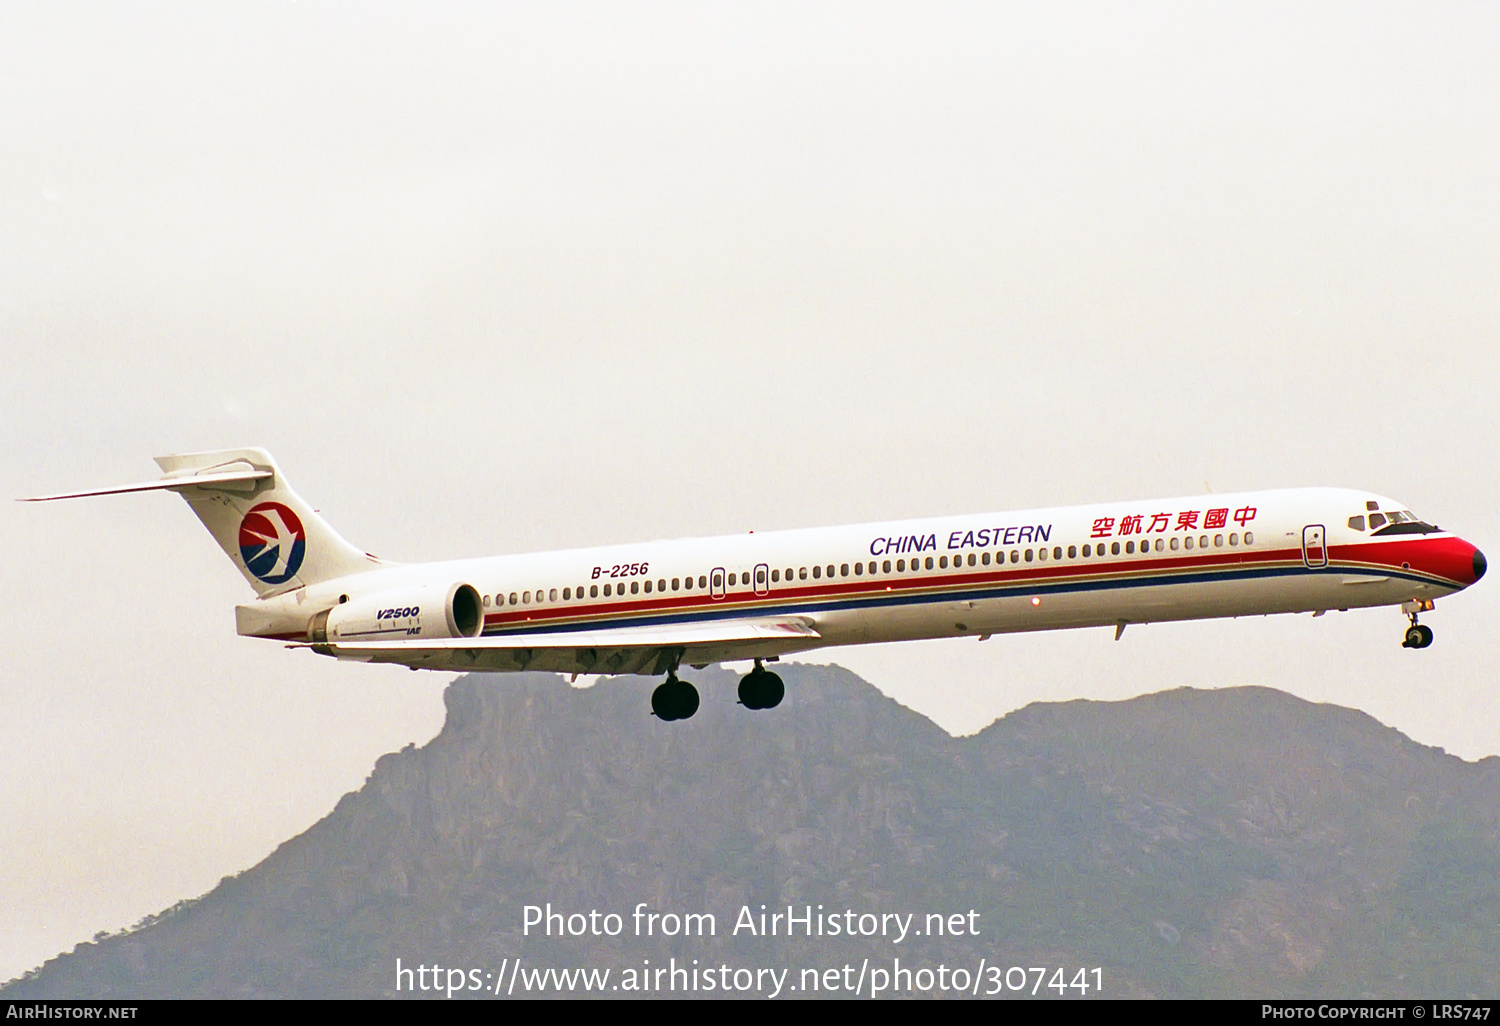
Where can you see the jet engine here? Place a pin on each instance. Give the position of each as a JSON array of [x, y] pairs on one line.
[[430, 611]]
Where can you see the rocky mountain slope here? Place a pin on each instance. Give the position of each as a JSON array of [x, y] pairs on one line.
[[1190, 843]]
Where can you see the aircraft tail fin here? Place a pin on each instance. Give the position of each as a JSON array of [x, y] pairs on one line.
[[271, 535]]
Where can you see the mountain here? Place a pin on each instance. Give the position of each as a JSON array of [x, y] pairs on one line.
[[1236, 842]]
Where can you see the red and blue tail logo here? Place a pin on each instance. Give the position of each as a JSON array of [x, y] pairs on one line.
[[272, 542]]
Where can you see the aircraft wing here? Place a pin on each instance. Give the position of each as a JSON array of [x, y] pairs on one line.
[[645, 649]]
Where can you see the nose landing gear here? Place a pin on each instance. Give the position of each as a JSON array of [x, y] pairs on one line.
[[761, 689], [1417, 635], [674, 699]]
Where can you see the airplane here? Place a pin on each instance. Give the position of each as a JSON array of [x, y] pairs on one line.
[[653, 607]]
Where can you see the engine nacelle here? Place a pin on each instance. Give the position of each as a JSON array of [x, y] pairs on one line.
[[433, 611]]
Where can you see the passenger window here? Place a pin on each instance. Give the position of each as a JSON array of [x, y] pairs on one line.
[[1234, 539], [1129, 547], [775, 576], [802, 574], [788, 574], [635, 587], [1357, 523], [677, 584], [1015, 555], [526, 598], [702, 581], [872, 566], [1042, 554], [942, 562], [648, 587], [1114, 548], [1377, 520], [1174, 544], [607, 591], [928, 563], [1203, 542], [859, 569], [1057, 552], [900, 566], [885, 567], [1072, 551], [1159, 544], [593, 591], [551, 595], [1187, 542], [830, 569], [1028, 555], [1249, 538], [985, 558], [1218, 541], [732, 580], [817, 572], [661, 584]]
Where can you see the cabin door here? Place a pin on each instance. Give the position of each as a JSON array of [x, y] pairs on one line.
[[1314, 546]]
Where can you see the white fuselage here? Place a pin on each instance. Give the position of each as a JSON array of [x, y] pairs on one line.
[[1106, 564]]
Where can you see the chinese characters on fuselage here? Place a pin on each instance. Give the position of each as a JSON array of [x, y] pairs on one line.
[[1187, 520]]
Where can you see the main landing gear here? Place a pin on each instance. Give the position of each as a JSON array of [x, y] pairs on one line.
[[677, 699], [1417, 635], [761, 689], [674, 699]]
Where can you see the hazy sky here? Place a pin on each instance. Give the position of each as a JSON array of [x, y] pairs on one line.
[[495, 278]]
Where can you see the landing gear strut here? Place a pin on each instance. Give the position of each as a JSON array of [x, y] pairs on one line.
[[1417, 635], [761, 689], [674, 699]]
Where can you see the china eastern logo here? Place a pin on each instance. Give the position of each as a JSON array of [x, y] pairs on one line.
[[272, 542]]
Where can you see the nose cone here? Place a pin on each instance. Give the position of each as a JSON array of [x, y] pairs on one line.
[[1480, 564]]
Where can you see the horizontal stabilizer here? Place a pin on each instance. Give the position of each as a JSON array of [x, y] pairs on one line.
[[216, 479], [272, 536]]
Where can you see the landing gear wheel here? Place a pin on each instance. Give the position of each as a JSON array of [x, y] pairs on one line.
[[1417, 636], [674, 700], [761, 689]]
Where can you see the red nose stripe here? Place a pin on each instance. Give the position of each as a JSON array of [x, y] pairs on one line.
[[1446, 557]]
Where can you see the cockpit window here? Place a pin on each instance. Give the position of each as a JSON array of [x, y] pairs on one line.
[[1405, 522], [1377, 520], [1357, 523]]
